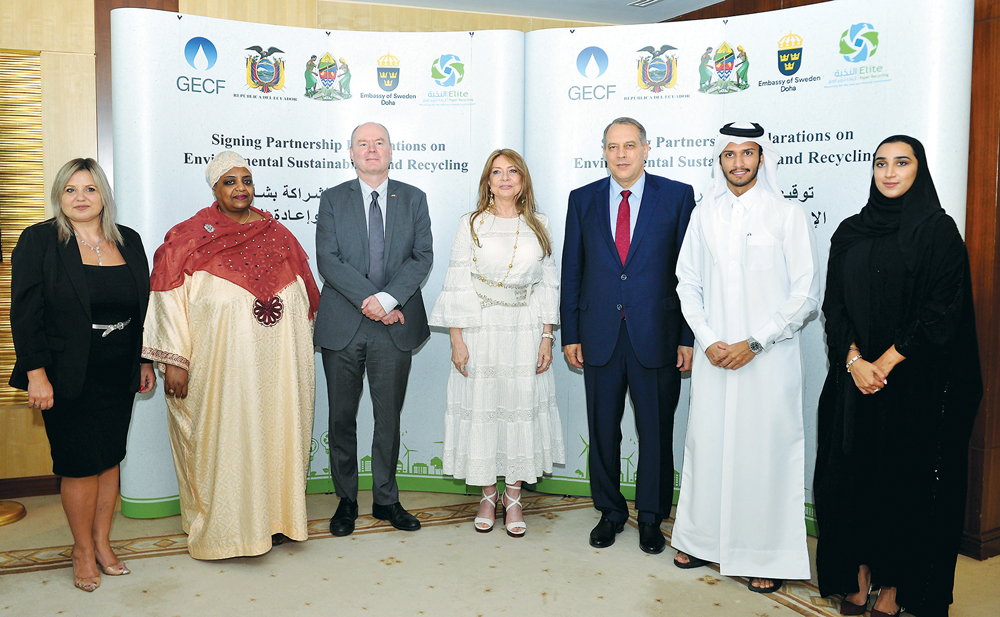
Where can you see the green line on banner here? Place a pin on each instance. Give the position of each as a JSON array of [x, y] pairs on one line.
[[433, 484], [149, 508], [160, 507], [319, 485]]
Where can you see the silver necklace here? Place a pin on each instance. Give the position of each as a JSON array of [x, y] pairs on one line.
[[96, 249]]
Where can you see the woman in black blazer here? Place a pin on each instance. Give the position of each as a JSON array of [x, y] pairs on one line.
[[79, 289]]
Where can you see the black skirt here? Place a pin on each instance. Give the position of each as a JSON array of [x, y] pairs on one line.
[[87, 434]]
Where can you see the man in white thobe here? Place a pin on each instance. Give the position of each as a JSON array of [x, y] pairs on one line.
[[748, 279]]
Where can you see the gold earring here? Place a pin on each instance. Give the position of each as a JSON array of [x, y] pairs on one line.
[[491, 199]]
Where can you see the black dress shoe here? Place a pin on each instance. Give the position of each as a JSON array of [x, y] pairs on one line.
[[342, 523], [651, 539], [603, 534], [397, 516]]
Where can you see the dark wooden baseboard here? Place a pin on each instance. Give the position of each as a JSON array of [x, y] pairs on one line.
[[11, 488], [981, 547]]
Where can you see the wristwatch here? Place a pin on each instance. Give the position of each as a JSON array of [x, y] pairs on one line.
[[755, 347]]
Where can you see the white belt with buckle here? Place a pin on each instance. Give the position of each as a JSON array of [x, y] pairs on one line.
[[109, 329]]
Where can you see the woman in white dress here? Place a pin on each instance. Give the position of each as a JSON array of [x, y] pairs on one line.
[[500, 301]]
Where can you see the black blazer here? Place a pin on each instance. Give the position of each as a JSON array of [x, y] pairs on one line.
[[50, 307]]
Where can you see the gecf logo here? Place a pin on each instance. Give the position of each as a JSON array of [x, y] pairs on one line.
[[591, 63], [201, 55]]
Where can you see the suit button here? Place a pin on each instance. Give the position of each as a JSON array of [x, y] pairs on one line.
[[619, 307], [624, 277]]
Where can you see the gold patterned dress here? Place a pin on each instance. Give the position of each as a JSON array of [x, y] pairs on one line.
[[241, 438]]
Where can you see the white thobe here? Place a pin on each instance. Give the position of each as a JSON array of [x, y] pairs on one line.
[[747, 267]]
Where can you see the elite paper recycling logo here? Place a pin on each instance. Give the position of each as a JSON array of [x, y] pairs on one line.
[[448, 70], [592, 62], [859, 42], [200, 53]]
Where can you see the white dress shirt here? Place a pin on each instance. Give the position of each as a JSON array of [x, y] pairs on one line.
[[386, 300], [633, 204]]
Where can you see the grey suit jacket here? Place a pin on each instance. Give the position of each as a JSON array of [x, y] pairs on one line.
[[342, 257]]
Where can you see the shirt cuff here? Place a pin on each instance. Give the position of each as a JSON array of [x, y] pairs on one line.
[[706, 336], [766, 334], [387, 301]]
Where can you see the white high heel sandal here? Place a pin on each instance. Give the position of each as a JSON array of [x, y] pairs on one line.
[[516, 529], [487, 523]]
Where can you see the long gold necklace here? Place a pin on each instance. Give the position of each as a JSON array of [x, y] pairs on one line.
[[510, 266]]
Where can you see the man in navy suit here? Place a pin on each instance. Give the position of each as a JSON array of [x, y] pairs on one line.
[[622, 324]]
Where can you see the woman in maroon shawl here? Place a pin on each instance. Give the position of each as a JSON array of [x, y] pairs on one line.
[[230, 322]]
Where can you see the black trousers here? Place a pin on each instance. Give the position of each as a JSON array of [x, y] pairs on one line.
[[371, 351]]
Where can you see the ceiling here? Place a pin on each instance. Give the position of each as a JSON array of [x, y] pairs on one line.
[[595, 11]]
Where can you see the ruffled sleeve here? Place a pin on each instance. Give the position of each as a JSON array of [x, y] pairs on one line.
[[545, 293], [457, 305]]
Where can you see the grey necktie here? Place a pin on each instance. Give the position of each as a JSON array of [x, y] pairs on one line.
[[376, 244]]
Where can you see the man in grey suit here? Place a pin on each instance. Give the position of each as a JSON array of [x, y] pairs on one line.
[[374, 249]]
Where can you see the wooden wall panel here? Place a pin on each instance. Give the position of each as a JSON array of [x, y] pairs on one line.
[[987, 9], [47, 25], [385, 18], [731, 8], [301, 13], [24, 449], [69, 110], [981, 538]]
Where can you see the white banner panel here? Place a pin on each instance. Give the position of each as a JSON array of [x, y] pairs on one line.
[[827, 81], [187, 87]]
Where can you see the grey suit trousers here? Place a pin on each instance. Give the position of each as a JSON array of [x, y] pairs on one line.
[[371, 350]]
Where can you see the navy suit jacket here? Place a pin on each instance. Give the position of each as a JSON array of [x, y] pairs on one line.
[[596, 287]]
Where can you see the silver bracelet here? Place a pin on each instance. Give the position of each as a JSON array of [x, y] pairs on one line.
[[549, 335], [853, 360]]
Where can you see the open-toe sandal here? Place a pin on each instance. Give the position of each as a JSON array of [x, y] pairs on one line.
[[483, 524], [514, 529]]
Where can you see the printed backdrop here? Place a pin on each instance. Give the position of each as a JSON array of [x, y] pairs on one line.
[[827, 82]]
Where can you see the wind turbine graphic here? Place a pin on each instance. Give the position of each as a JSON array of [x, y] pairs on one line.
[[407, 455], [628, 467]]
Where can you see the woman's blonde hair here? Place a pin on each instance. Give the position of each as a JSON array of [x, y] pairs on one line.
[[524, 201], [108, 228]]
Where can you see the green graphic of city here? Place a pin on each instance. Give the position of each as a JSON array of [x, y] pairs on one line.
[[410, 465]]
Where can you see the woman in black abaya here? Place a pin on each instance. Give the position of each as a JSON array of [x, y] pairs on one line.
[[897, 408]]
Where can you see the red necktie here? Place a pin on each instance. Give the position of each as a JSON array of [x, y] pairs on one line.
[[622, 227]]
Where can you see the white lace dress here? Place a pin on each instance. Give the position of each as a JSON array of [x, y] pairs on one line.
[[501, 420]]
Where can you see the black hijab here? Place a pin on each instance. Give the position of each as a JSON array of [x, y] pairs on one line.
[[906, 214]]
